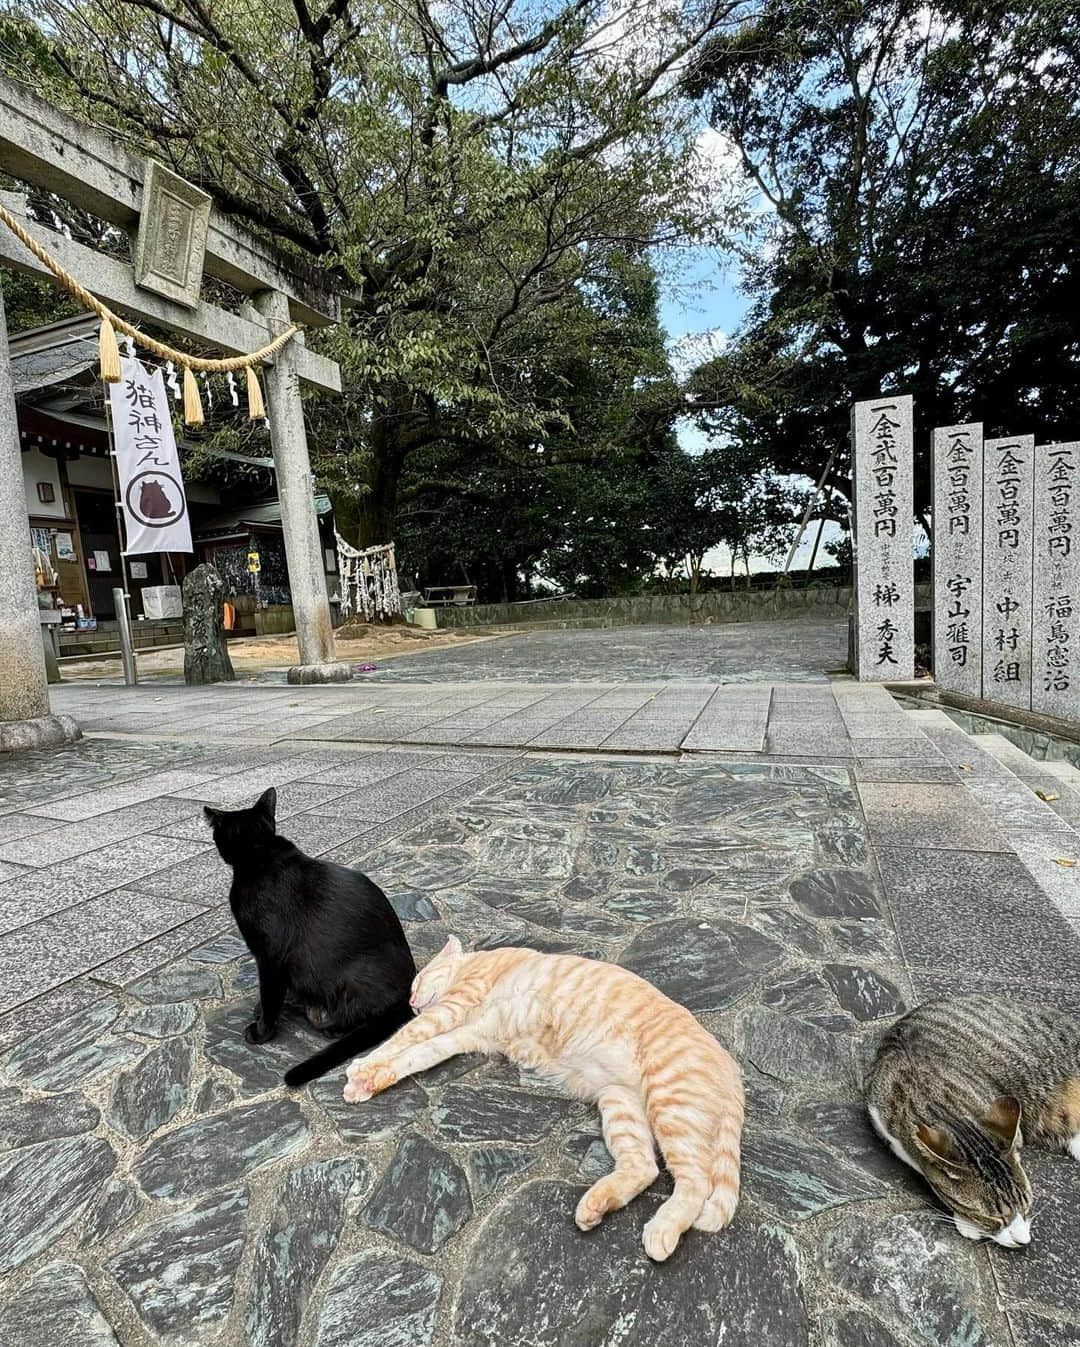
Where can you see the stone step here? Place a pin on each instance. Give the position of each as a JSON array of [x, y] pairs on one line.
[[1064, 771], [1044, 842], [1041, 782]]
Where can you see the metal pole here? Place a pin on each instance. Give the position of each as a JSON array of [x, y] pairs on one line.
[[121, 600], [127, 650], [817, 544], [808, 512]]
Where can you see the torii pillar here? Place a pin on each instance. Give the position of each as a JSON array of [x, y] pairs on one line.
[[299, 523], [25, 720]]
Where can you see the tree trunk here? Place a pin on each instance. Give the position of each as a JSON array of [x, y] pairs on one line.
[[377, 508]]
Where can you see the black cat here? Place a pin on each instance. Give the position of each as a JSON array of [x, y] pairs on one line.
[[324, 933]]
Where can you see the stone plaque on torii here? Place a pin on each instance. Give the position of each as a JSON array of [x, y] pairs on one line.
[[171, 245], [46, 148]]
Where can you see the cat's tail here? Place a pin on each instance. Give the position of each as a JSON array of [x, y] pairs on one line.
[[366, 1035]]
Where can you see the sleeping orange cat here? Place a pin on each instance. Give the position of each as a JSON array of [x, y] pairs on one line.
[[604, 1034]]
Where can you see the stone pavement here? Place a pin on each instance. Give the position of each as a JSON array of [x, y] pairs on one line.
[[790, 650], [803, 720], [796, 890]]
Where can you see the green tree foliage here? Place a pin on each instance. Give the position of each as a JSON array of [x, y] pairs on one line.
[[605, 499], [921, 169], [465, 172], [574, 503]]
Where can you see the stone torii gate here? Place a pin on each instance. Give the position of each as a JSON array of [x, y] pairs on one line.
[[50, 150]]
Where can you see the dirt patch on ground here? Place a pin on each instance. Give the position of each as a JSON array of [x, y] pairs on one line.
[[355, 645]]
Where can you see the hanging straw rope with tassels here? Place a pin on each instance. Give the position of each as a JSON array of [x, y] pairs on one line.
[[110, 353]]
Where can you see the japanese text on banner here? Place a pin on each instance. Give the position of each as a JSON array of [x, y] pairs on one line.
[[151, 485]]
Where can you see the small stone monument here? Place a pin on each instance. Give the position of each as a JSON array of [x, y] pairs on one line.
[[958, 558], [1008, 530], [881, 438], [1055, 609], [206, 654]]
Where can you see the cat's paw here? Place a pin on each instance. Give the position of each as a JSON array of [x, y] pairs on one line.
[[367, 1080], [319, 1017], [659, 1240], [258, 1033], [591, 1210]]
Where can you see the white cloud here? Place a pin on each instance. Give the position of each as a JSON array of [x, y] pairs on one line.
[[717, 154], [695, 348]]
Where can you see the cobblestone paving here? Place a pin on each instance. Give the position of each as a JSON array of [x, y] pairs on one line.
[[159, 1186]]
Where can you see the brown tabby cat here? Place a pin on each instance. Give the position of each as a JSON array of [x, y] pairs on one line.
[[604, 1034], [948, 1088]]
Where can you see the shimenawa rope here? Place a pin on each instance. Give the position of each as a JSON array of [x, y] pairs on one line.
[[110, 353]]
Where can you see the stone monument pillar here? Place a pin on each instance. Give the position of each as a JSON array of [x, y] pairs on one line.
[[957, 554], [1008, 482], [881, 442], [206, 652], [1055, 600], [25, 721], [303, 548]]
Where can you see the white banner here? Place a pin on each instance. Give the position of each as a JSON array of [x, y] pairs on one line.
[[151, 486]]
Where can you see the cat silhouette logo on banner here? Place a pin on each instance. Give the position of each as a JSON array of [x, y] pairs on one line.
[[151, 484]]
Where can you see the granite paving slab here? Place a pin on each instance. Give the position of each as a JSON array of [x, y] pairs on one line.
[[904, 770], [928, 815], [997, 916], [1048, 1276], [64, 841], [47, 953], [132, 792], [16, 827], [43, 891], [151, 954]]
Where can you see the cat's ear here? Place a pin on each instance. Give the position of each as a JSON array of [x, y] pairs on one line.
[[213, 816], [452, 949], [267, 803], [1002, 1121], [937, 1146]]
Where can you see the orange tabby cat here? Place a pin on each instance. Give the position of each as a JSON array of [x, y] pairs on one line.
[[604, 1034]]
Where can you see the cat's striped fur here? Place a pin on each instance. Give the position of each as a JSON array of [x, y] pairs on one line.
[[604, 1034], [956, 1087]]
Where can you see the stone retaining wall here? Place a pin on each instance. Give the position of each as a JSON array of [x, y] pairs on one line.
[[659, 609]]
